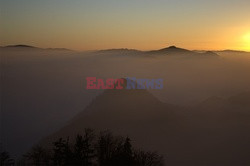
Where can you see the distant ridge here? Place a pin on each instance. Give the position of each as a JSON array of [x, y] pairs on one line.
[[233, 51], [19, 46], [25, 47], [120, 51], [172, 50], [210, 53], [220, 51], [58, 49]]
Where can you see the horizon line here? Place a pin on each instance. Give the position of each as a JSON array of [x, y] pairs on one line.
[[119, 48]]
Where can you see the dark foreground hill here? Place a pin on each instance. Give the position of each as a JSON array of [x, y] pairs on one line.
[[216, 132]]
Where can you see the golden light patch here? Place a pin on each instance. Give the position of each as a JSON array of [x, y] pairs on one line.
[[246, 40]]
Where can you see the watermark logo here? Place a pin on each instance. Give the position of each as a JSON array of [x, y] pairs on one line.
[[123, 83]]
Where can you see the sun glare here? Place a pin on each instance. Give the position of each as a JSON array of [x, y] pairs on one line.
[[246, 39]]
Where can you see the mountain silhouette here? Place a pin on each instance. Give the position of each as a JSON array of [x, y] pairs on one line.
[[22, 47], [209, 133], [232, 51], [171, 50], [120, 51], [209, 53], [119, 110], [136, 113]]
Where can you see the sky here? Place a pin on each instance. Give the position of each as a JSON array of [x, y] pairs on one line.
[[134, 24]]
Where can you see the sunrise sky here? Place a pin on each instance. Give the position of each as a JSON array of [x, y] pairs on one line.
[[137, 24]]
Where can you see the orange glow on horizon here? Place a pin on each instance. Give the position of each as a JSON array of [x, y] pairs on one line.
[[246, 40]]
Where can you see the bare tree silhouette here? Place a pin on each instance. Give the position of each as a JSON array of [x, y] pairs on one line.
[[39, 156], [5, 159], [89, 149]]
